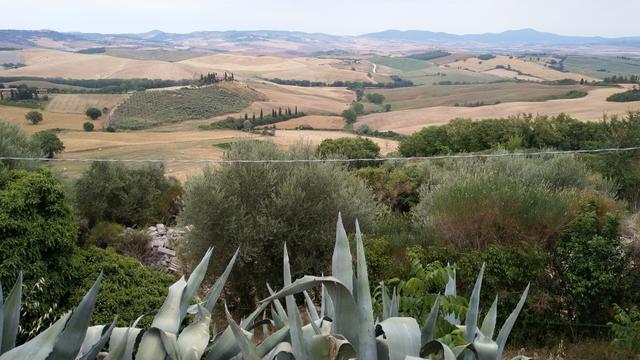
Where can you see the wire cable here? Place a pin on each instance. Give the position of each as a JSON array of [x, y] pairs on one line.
[[293, 161]]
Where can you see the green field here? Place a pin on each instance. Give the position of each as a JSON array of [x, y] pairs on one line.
[[437, 95], [590, 65], [423, 72], [151, 108], [154, 54]]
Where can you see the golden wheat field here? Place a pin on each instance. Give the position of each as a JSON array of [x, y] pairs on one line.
[[529, 70], [314, 121], [589, 108], [79, 103], [51, 120]]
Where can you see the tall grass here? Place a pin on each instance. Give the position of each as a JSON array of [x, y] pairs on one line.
[[471, 204]]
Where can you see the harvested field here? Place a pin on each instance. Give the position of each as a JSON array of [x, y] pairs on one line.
[[198, 145], [311, 100], [425, 72], [79, 103], [270, 67], [532, 69], [589, 108], [52, 120], [314, 121], [52, 63], [153, 54], [449, 95]]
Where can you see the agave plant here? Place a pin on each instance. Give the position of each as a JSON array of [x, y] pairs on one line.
[[393, 338], [344, 329]]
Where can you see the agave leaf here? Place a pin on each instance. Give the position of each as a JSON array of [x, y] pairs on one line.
[[11, 318], [213, 295], [247, 349], [450, 289], [332, 347], [327, 309], [346, 315], [272, 341], [311, 307], [169, 342], [282, 351], [39, 347], [382, 348], [386, 302], [74, 332], [1, 316], [193, 283], [366, 336], [167, 319], [471, 322], [503, 335], [429, 328], [395, 304], [193, 340], [489, 323], [96, 340], [281, 311], [320, 327], [485, 348], [225, 346], [277, 320], [402, 336], [521, 357], [295, 323], [122, 342], [341, 261], [436, 346]]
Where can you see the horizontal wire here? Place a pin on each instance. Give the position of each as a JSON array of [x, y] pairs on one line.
[[289, 161]]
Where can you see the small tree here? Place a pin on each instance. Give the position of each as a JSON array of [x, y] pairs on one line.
[[34, 117], [375, 98], [350, 116], [48, 142], [93, 113], [88, 126]]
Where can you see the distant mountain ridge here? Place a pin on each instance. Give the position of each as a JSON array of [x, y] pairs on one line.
[[307, 43], [513, 37]]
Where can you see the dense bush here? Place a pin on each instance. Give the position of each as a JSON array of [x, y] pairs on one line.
[[626, 330], [590, 259], [48, 142], [87, 126], [259, 207], [627, 96], [126, 195], [349, 148], [38, 237], [501, 200], [14, 143], [93, 113], [375, 98], [105, 234], [128, 288], [526, 132], [391, 185], [34, 117]]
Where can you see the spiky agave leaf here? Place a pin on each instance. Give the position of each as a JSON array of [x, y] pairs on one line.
[[332, 347], [213, 295], [401, 335], [311, 307], [95, 342], [247, 348], [489, 322], [39, 347], [503, 335], [434, 347], [11, 316], [471, 322], [295, 322], [193, 283], [75, 330], [429, 328], [366, 336], [193, 340], [272, 341]]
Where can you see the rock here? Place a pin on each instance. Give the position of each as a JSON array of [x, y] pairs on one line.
[[161, 229]]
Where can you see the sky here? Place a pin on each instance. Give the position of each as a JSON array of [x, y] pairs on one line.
[[612, 18]]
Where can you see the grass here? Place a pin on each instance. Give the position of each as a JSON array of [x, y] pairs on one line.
[[501, 92], [28, 104], [601, 67], [423, 72], [154, 54], [152, 108]]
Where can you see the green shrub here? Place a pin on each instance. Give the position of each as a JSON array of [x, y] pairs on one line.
[[349, 148], [38, 237], [88, 127], [93, 113], [590, 259], [131, 196], [627, 96], [375, 98], [128, 288], [48, 142], [626, 329], [391, 186], [259, 207], [384, 260], [105, 234], [16, 144], [34, 117]]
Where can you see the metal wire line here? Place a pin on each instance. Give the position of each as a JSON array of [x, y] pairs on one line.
[[290, 161]]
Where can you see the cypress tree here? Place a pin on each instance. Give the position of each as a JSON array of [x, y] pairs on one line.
[[261, 114]]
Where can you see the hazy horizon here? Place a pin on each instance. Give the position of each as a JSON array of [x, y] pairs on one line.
[[569, 17]]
